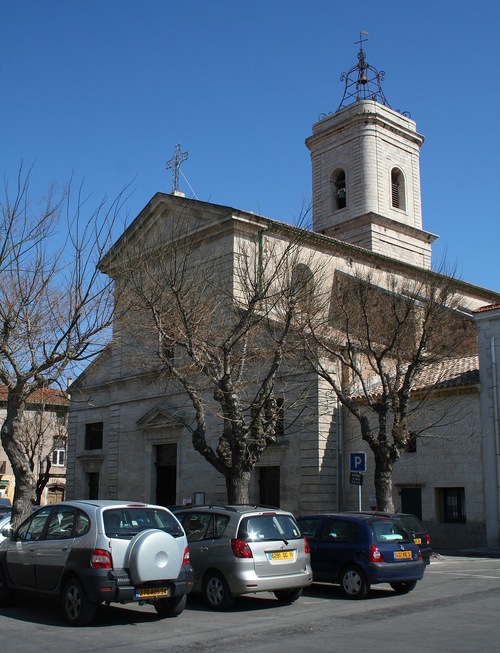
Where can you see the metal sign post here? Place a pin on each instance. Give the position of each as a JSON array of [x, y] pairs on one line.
[[356, 478], [357, 461]]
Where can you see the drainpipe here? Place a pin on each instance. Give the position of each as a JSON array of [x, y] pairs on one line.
[[340, 456], [494, 388]]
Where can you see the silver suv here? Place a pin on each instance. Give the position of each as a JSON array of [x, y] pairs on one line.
[[245, 549], [91, 552]]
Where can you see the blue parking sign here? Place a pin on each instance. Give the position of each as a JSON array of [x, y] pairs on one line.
[[357, 462]]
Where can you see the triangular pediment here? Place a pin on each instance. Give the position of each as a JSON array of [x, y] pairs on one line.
[[96, 373], [161, 417], [166, 219]]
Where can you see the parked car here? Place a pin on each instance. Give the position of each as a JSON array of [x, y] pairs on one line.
[[4, 521], [358, 550], [239, 550], [5, 506], [90, 552], [420, 534]]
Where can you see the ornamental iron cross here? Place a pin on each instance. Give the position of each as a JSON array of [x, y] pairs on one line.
[[175, 164]]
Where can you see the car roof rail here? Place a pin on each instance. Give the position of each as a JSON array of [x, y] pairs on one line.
[[233, 507]]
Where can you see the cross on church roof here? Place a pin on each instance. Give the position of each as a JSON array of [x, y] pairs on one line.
[[175, 164], [361, 40]]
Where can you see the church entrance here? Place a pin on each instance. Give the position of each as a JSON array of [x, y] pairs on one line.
[[166, 474]]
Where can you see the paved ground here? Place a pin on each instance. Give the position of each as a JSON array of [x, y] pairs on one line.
[[454, 609]]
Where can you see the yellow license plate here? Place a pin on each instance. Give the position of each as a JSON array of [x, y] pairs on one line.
[[280, 555], [148, 592], [402, 554], [418, 540]]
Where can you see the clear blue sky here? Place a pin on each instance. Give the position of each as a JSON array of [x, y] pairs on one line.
[[104, 89]]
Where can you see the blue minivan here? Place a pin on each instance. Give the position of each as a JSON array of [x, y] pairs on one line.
[[357, 551]]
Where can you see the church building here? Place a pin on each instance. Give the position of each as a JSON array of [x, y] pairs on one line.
[[128, 433]]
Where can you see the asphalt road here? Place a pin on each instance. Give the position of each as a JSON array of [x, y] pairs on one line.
[[454, 608]]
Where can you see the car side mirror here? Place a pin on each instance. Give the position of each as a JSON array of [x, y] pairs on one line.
[[7, 532]]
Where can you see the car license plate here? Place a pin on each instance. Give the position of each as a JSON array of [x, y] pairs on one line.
[[148, 592], [280, 555], [418, 540], [402, 554]]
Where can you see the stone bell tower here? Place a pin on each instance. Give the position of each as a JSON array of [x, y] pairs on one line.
[[366, 172]]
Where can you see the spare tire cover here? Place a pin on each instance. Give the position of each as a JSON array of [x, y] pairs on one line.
[[154, 555]]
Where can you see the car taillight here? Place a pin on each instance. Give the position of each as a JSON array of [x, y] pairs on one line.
[[101, 559], [185, 557], [375, 555], [419, 555], [428, 539], [307, 546], [241, 549]]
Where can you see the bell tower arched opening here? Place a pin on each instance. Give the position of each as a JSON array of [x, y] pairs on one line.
[[398, 190], [339, 190]]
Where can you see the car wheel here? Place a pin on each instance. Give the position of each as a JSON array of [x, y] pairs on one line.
[[216, 591], [78, 610], [153, 555], [288, 596], [353, 583], [404, 587], [171, 607], [6, 593]]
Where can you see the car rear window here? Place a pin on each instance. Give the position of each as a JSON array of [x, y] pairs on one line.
[[268, 527], [410, 521], [124, 522], [203, 525], [309, 526], [387, 530]]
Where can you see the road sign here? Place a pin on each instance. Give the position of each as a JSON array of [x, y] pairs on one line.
[[357, 462], [356, 478]]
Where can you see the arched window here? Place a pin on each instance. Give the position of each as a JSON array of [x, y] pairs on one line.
[[398, 195], [339, 189]]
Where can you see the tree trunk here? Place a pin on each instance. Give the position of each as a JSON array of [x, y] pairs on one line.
[[383, 482], [43, 479], [25, 490], [238, 486]]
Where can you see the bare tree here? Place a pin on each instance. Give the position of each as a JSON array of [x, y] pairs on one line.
[[221, 320], [55, 307], [42, 428], [372, 340]]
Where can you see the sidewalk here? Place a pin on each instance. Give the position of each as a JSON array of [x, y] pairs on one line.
[[473, 553]]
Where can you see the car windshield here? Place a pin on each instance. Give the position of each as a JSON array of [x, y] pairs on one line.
[[386, 530], [123, 522], [259, 528]]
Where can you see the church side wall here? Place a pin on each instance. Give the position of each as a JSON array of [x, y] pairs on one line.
[[446, 457]]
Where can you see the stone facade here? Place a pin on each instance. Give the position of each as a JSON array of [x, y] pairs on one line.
[[145, 451]]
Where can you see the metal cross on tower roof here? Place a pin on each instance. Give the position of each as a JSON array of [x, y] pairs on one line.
[[175, 164]]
